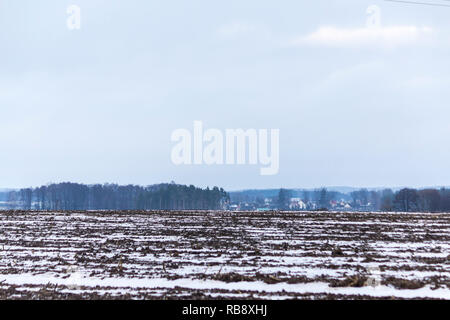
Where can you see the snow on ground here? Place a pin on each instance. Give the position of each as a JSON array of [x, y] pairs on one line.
[[147, 255]]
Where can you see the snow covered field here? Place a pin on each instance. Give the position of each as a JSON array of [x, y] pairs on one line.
[[207, 255]]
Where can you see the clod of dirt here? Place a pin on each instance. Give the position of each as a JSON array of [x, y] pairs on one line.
[[232, 277], [268, 279], [354, 281], [337, 252], [368, 259], [399, 283]]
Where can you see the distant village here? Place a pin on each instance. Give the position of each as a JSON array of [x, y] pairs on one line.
[[297, 200], [361, 200], [294, 204]]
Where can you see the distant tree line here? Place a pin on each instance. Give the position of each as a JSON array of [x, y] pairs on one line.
[[74, 196], [283, 199], [407, 200]]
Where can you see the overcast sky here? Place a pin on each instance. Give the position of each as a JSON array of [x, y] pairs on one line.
[[355, 106]]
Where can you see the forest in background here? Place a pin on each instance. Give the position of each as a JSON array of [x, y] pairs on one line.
[[74, 196]]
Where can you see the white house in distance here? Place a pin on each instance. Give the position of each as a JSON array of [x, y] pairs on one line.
[[297, 204]]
